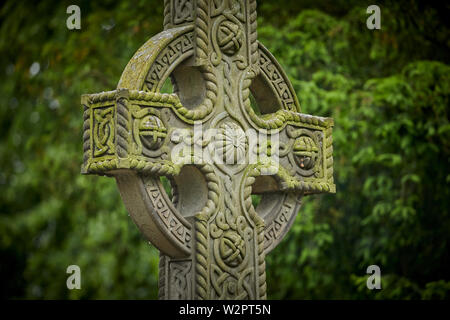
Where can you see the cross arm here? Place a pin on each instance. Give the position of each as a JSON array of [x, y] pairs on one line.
[[127, 129], [304, 155]]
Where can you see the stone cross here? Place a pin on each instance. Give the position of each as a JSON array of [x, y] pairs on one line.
[[232, 128]]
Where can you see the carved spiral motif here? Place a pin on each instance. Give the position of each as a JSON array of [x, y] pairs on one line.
[[232, 248], [306, 152], [152, 132], [229, 37], [231, 143]]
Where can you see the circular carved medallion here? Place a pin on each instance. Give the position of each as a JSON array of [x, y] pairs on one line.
[[229, 37], [232, 248], [231, 143], [306, 152], [152, 132]]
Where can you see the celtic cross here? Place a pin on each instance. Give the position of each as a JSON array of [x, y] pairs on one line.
[[232, 128]]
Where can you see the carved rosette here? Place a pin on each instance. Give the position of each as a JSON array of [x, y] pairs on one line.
[[231, 143]]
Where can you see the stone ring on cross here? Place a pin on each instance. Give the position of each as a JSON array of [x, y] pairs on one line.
[[232, 128]]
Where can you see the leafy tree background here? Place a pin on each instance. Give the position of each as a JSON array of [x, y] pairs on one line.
[[388, 91]]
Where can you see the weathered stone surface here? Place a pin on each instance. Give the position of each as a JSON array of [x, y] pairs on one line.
[[212, 145]]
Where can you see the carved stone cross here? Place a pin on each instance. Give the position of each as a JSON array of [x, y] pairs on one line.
[[232, 128]]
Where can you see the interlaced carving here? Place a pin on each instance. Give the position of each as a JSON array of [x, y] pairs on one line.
[[182, 11], [180, 281], [167, 20], [103, 132], [231, 251]]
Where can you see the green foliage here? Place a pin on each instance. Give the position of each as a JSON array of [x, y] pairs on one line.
[[387, 90]]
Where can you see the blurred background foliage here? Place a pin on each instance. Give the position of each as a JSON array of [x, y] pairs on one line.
[[388, 91]]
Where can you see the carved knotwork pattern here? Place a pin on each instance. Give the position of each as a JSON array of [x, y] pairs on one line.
[[231, 248], [229, 37], [232, 266], [180, 280], [182, 11], [103, 131], [235, 7]]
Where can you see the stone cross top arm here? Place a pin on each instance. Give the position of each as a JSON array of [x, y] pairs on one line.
[[232, 128]]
